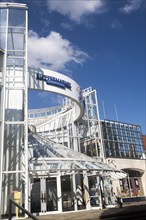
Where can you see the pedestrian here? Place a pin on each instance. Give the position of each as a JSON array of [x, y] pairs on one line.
[[119, 198], [114, 198], [103, 201]]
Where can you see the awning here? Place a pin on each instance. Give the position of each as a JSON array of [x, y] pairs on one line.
[[118, 175]]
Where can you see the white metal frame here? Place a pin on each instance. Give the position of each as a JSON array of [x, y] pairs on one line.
[[3, 97], [7, 86]]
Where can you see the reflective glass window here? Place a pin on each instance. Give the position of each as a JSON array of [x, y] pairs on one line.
[[3, 16], [17, 17], [15, 39], [16, 62], [93, 98], [3, 23]]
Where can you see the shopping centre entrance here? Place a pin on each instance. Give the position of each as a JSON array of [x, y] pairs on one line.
[[64, 193], [49, 194], [44, 195]]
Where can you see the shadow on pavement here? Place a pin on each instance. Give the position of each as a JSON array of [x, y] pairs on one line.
[[128, 212]]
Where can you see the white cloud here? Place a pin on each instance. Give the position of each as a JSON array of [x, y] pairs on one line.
[[66, 26], [77, 9], [56, 99], [45, 22], [52, 51], [116, 24], [51, 98], [132, 5]]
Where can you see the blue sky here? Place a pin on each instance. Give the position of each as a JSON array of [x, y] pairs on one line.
[[99, 43]]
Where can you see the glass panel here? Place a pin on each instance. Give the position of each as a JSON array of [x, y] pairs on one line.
[[2, 37], [15, 39], [1, 67], [51, 192], [108, 190], [17, 17], [94, 191], [16, 62], [35, 196], [3, 20], [66, 188], [3, 16]]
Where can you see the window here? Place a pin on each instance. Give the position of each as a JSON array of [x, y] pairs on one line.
[[136, 183]]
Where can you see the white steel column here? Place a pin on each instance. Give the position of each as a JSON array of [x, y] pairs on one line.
[[26, 117], [99, 189], [74, 190], [75, 141], [43, 194], [59, 194], [99, 127], [79, 191], [3, 97], [86, 190]]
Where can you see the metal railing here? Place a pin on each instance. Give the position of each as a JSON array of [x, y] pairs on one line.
[[11, 201]]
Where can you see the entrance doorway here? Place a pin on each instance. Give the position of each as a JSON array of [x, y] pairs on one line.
[[44, 195], [132, 185], [67, 193], [94, 191]]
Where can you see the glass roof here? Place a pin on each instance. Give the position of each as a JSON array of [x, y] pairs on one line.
[[46, 155]]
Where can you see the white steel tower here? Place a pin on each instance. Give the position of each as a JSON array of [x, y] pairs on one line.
[[13, 104]]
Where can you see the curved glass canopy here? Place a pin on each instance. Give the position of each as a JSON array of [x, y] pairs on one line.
[[48, 157]]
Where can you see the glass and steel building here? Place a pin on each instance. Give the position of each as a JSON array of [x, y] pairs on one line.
[[122, 140], [40, 150], [56, 158], [123, 147]]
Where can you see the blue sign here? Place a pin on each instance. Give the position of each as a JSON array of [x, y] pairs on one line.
[[50, 80]]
